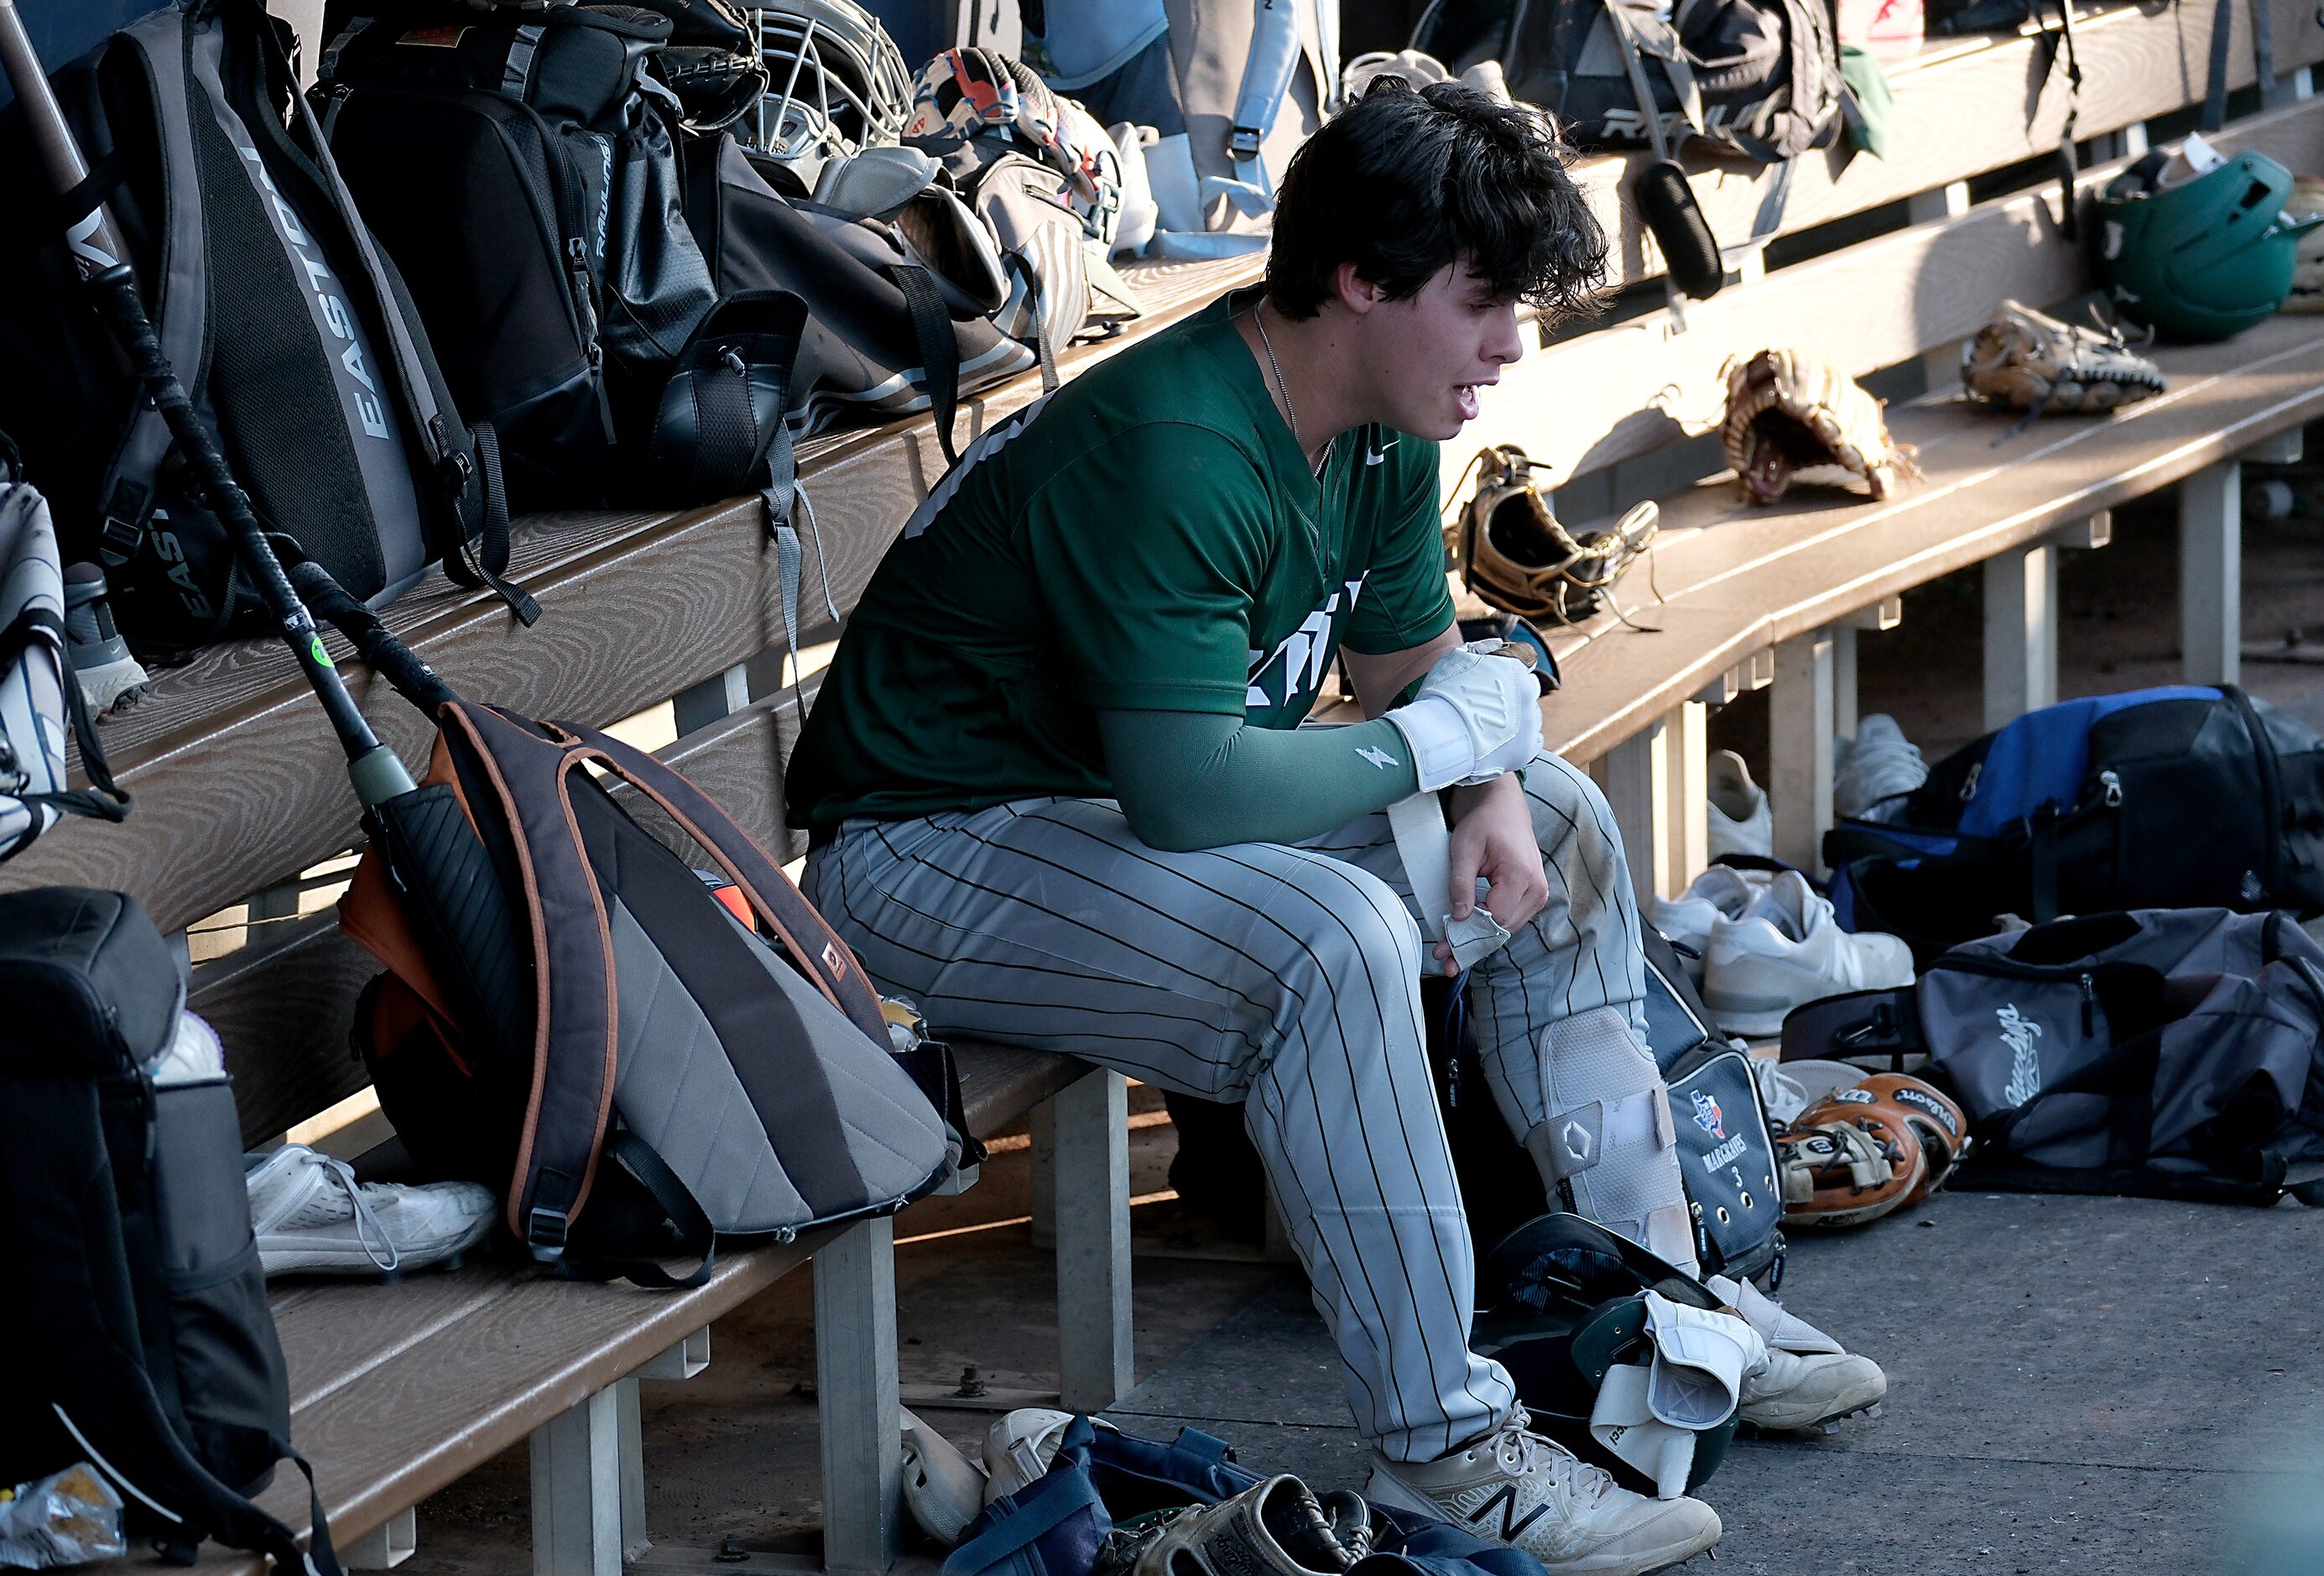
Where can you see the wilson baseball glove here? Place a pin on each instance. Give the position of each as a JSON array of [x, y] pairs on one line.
[[1786, 412], [2025, 360], [1517, 556], [1848, 1162]]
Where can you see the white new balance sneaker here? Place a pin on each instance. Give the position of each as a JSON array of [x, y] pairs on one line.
[[1515, 1487], [1720, 892], [1739, 819], [1879, 766], [311, 1217], [1808, 1381], [1787, 950]]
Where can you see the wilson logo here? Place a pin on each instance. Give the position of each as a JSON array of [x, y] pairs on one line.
[[1505, 1499]]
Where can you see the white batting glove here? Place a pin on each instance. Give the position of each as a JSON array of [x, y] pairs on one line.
[[1476, 717]]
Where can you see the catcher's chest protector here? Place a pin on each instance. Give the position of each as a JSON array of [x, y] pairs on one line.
[[597, 1000]]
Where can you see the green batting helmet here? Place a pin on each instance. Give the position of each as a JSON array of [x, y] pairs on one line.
[[2203, 259]]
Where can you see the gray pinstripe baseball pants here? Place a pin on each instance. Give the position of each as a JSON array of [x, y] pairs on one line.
[[1284, 978]]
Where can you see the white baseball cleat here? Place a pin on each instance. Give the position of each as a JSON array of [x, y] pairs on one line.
[[1809, 1381], [311, 1217], [1879, 767], [1739, 819], [1786, 951], [1720, 892], [1515, 1487]]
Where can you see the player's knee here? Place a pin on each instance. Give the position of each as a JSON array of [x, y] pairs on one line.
[[1567, 806]]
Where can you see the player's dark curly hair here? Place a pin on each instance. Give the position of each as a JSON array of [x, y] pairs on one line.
[[1402, 182]]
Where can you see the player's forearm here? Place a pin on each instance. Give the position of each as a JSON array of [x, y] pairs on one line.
[[1200, 780]]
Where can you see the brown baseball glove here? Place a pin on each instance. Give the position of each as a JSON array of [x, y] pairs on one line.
[[1936, 1121], [1786, 412], [2025, 360], [1848, 1162]]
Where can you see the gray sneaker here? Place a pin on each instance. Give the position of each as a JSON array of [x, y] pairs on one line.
[[311, 1217], [1517, 1488]]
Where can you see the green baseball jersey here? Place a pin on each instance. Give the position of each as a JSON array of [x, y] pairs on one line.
[[1147, 537]]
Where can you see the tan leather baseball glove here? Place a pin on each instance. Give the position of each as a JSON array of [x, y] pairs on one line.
[[1788, 411], [2025, 360]]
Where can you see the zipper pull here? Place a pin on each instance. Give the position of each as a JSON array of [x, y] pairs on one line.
[[2112, 786], [1968, 783], [2089, 1007]]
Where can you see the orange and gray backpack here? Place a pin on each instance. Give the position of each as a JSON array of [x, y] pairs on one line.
[[642, 1056]]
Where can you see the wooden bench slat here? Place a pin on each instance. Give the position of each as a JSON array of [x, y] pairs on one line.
[[1744, 579]]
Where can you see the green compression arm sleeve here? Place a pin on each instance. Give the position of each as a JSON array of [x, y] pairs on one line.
[[1201, 780]]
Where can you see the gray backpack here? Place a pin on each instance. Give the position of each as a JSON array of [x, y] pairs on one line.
[[38, 696], [2164, 1053]]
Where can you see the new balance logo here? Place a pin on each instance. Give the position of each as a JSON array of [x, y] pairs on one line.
[[1506, 1500], [1379, 758]]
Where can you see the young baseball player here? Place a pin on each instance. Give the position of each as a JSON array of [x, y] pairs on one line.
[[1059, 797]]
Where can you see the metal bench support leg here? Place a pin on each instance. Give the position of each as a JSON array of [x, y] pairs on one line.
[[1799, 747], [1941, 364], [2210, 574], [856, 1405], [2021, 632], [576, 1490], [1091, 1126], [1843, 681], [1688, 780], [385, 1547], [1636, 778]]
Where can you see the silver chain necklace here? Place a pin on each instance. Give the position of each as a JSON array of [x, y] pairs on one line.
[[1259, 319]]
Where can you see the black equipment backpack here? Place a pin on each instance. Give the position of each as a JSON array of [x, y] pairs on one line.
[[903, 314], [1756, 77], [520, 166], [136, 1304], [572, 1017], [2186, 796], [2167, 1053], [293, 334]]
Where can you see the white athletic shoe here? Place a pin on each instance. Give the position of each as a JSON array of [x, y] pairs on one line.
[[1877, 766], [1809, 1381], [1515, 1487], [312, 1217], [1739, 819], [1720, 892], [1787, 950]]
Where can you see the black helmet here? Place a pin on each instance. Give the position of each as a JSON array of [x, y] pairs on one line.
[[1565, 1304]]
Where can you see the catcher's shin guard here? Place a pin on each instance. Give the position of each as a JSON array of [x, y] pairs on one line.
[[1608, 1137]]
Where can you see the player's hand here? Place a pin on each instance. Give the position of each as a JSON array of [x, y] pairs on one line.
[[1494, 839], [1477, 715]]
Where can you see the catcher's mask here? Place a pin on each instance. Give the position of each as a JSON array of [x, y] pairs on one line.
[[836, 83], [1517, 556], [1567, 1306]]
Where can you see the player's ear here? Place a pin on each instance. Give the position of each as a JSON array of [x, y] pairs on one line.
[[1354, 291]]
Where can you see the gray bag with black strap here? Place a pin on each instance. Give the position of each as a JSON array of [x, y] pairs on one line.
[[2164, 1052]]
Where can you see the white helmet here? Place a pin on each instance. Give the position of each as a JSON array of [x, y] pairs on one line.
[[837, 82]]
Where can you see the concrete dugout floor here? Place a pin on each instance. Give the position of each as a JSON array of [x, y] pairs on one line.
[[2078, 1385]]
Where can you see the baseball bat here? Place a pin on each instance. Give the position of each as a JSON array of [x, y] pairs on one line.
[[94, 242]]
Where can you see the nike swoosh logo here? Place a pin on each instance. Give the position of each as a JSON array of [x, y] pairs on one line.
[[1375, 456]]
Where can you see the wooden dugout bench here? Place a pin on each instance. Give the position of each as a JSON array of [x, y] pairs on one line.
[[401, 1389]]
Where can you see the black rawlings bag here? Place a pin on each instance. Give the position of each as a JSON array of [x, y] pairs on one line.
[[296, 340], [134, 1305]]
